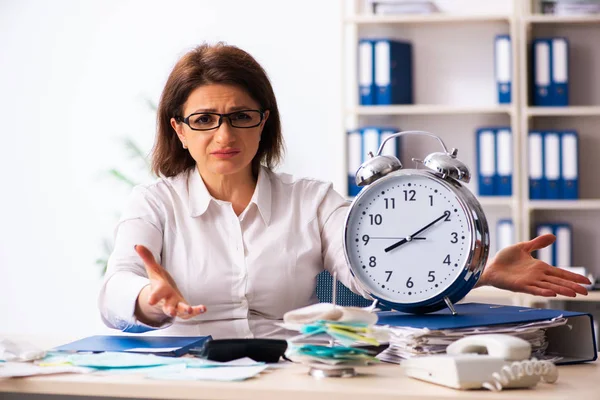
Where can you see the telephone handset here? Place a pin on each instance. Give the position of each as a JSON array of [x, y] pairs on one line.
[[492, 361]]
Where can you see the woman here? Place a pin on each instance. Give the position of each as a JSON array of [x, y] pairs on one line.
[[221, 244]]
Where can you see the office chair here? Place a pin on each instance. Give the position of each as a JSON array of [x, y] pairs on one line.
[[344, 296]]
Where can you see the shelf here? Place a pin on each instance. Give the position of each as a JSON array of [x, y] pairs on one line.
[[586, 204], [425, 19], [570, 111], [433, 109], [496, 201], [563, 19]]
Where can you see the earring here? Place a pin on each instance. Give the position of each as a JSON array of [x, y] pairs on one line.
[[184, 145]]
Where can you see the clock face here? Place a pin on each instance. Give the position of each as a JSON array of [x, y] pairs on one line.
[[408, 237]]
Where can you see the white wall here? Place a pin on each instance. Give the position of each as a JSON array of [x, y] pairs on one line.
[[74, 79]]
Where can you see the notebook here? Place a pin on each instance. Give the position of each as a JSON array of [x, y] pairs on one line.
[[174, 346]]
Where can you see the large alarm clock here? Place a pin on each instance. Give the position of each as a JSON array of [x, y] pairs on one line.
[[416, 239]]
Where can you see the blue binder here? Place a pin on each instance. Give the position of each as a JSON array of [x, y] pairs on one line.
[[536, 165], [503, 68], [366, 72], [393, 72], [569, 179], [504, 161], [486, 161], [559, 86], [180, 345], [541, 49], [550, 71], [574, 342], [563, 247], [552, 165], [354, 145]]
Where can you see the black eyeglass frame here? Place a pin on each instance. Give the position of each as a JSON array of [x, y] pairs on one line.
[[186, 120]]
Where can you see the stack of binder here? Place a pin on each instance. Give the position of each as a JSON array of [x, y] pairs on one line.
[[550, 71], [494, 161], [385, 72], [563, 336], [503, 68], [367, 140], [559, 253], [553, 165]]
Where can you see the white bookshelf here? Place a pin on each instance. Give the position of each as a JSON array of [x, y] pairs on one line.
[[561, 19], [571, 111], [425, 19], [451, 108], [577, 205], [583, 115], [431, 109], [454, 93]]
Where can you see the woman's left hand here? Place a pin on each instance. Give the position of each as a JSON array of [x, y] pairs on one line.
[[515, 269]]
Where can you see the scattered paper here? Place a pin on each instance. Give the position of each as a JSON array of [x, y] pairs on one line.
[[20, 369], [210, 374]]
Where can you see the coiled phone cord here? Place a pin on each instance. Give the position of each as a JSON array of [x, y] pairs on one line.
[[515, 371]]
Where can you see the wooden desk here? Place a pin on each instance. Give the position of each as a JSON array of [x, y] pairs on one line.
[[292, 382]]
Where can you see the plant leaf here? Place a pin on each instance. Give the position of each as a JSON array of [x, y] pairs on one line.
[[121, 177]]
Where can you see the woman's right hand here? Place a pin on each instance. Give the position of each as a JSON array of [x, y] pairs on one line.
[[161, 298]]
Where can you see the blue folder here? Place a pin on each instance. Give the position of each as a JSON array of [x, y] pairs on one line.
[[181, 344], [574, 342], [393, 72]]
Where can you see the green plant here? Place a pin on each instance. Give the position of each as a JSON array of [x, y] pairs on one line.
[[141, 163]]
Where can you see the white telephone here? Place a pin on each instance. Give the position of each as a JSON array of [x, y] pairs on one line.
[[493, 362]]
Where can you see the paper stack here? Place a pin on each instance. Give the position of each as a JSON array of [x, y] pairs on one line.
[[330, 334], [407, 342]]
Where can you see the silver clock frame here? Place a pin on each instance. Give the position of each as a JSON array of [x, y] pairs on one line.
[[476, 221]]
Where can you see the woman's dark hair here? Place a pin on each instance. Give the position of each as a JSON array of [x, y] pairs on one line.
[[214, 64]]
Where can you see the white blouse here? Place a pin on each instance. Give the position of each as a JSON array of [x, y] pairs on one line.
[[248, 270]]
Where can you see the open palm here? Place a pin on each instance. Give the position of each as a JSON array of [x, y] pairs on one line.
[[515, 269]]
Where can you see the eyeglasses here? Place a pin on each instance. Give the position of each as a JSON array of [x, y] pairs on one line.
[[237, 119]]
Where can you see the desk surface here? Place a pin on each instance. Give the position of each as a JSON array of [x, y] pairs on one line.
[[292, 382]]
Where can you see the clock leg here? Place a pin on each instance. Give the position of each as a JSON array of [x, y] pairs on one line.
[[450, 305]]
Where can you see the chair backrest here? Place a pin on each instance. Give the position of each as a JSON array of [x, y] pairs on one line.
[[344, 296]]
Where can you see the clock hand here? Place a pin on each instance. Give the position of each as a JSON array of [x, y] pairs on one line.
[[394, 237], [410, 238]]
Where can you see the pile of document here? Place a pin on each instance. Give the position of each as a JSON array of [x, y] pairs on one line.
[[331, 334], [408, 342], [382, 7], [335, 342], [570, 7]]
